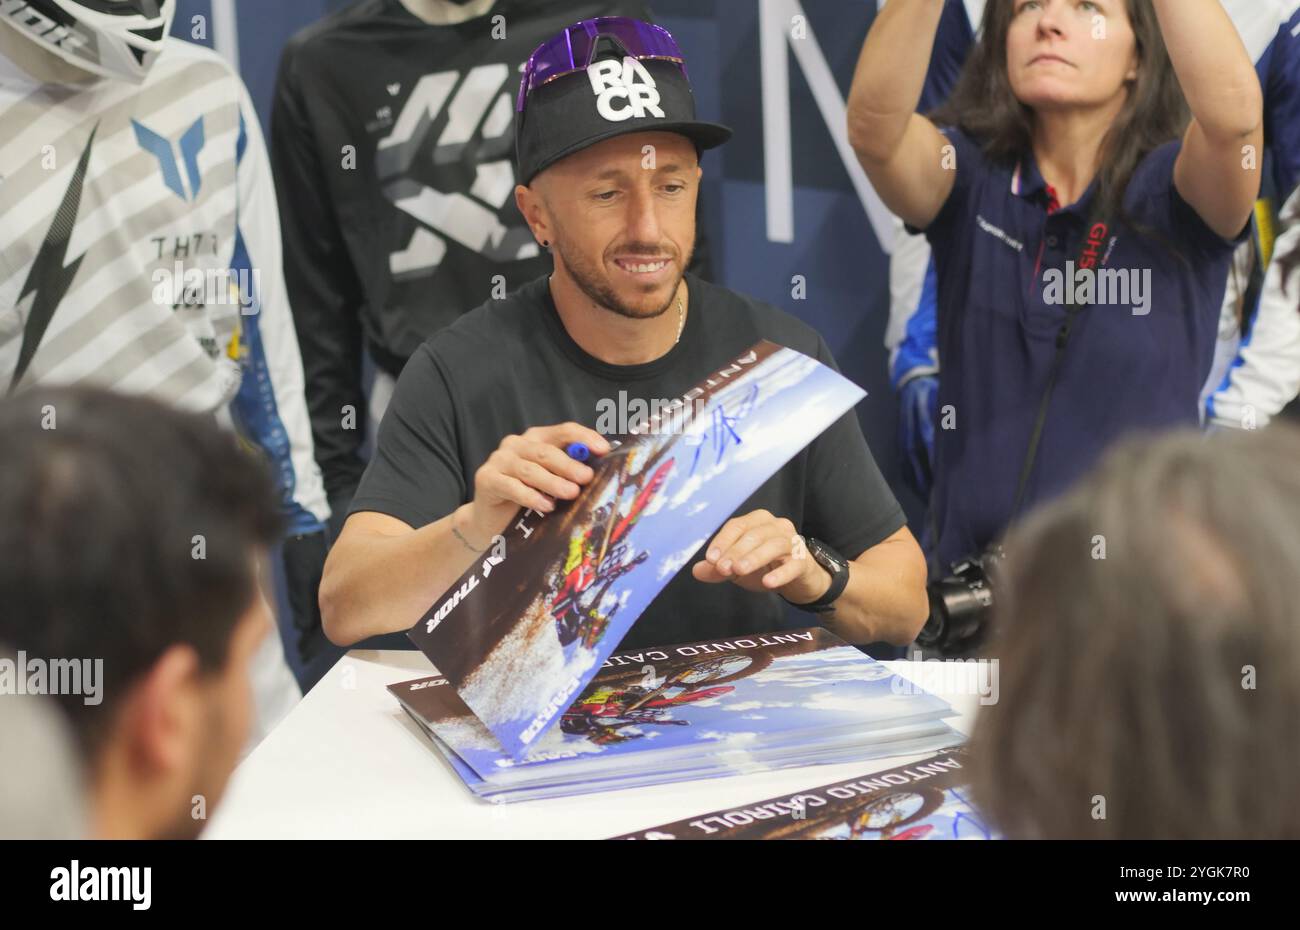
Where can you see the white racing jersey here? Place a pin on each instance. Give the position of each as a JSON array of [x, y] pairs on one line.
[[1256, 373], [140, 251]]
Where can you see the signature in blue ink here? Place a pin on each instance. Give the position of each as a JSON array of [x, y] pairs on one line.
[[977, 828], [721, 432]]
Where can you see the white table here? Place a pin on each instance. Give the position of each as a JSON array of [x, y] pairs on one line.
[[347, 763]]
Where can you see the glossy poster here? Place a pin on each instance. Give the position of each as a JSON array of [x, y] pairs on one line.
[[927, 800], [523, 631]]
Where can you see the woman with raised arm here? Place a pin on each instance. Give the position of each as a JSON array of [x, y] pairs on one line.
[[1082, 227]]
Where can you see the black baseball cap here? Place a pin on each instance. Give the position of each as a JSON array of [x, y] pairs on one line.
[[615, 95]]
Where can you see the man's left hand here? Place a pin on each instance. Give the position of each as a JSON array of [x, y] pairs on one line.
[[761, 552]]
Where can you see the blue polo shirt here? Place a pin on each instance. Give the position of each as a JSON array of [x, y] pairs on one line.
[[994, 242]]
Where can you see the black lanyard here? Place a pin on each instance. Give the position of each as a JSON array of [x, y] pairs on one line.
[[1072, 310]]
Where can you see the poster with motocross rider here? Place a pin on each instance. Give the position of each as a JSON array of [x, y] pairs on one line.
[[691, 711], [521, 632], [927, 800]]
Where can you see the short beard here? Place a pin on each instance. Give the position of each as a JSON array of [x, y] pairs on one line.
[[601, 294]]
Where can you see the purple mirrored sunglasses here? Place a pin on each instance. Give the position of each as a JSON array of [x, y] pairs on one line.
[[574, 48]]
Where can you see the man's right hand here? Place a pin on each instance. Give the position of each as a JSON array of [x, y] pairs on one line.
[[533, 471]]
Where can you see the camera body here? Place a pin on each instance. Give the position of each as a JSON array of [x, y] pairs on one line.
[[961, 604]]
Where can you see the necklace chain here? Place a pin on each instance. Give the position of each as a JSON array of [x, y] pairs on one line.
[[681, 320]]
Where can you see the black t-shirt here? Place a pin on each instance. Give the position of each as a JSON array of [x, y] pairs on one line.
[[510, 365]]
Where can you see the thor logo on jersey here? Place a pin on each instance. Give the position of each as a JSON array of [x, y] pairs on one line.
[[189, 146]]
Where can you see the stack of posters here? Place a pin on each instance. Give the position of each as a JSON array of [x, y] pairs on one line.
[[927, 800], [696, 710], [519, 638]]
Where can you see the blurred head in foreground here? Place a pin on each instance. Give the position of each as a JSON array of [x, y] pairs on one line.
[[1149, 649], [132, 537]]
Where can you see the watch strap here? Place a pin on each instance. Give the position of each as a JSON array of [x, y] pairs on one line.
[[839, 581]]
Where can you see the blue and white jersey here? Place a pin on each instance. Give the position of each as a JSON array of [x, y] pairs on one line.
[[141, 252], [910, 335], [1257, 373]]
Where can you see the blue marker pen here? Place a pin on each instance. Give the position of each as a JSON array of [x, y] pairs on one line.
[[578, 451]]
